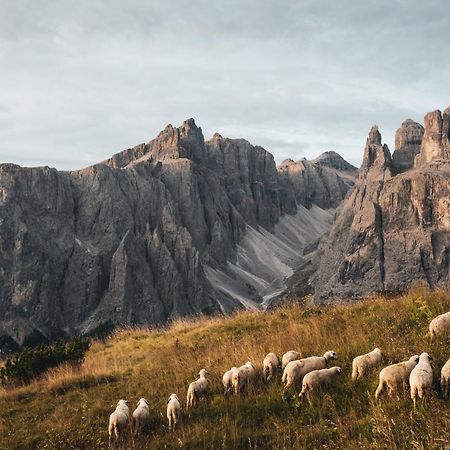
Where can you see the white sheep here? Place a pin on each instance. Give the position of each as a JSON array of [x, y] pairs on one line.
[[316, 379], [392, 376], [296, 370], [291, 355], [445, 378], [421, 379], [439, 326], [270, 366], [118, 421], [173, 411], [363, 363], [243, 377], [227, 381], [140, 415], [197, 389]]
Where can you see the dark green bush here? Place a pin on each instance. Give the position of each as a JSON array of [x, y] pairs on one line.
[[32, 362]]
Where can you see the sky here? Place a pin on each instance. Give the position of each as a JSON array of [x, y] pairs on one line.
[[82, 80]]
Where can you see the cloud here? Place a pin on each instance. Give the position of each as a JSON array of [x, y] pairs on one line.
[[83, 80]]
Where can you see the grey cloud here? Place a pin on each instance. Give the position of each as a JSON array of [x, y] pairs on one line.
[[82, 80]]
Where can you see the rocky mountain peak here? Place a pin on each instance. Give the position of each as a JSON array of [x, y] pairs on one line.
[[408, 140], [374, 136], [436, 139], [335, 161], [191, 131], [392, 231], [377, 157], [323, 181]]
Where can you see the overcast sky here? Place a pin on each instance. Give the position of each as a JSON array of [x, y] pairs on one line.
[[81, 80]]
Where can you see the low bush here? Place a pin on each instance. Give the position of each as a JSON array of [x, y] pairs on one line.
[[32, 362]]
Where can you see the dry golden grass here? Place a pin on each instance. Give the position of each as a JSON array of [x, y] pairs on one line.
[[69, 408]]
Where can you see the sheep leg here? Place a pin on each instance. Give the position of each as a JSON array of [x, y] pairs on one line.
[[308, 396], [287, 385], [379, 390]]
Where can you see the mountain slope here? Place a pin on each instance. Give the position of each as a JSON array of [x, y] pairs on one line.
[[158, 231], [69, 409]]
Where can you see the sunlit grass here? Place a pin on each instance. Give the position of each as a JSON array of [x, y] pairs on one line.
[[69, 408]]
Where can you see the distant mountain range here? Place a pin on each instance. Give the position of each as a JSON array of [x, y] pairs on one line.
[[182, 226]]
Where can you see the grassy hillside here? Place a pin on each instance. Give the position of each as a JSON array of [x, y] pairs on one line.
[[70, 408]]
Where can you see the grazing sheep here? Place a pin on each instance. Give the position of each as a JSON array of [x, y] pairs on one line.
[[445, 378], [270, 366], [173, 411], [118, 421], [227, 381], [316, 379], [140, 415], [395, 374], [363, 363], [243, 377], [421, 378], [296, 370], [197, 389], [289, 356], [439, 326]]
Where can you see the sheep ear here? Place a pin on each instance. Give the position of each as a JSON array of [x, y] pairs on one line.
[[168, 400], [127, 402], [146, 401]]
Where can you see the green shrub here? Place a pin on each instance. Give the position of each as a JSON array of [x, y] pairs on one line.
[[32, 362]]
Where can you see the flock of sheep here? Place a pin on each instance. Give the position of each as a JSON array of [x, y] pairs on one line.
[[311, 373]]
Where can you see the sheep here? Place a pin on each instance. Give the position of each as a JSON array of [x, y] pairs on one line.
[[227, 381], [289, 356], [197, 389], [421, 378], [439, 326], [140, 415], [118, 421], [296, 370], [243, 377], [395, 374], [316, 379], [270, 366], [173, 411], [363, 363], [445, 378]]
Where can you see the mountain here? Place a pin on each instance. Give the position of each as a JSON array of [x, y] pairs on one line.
[[393, 230], [323, 181], [174, 227]]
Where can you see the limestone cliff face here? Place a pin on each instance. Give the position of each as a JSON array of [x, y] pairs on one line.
[[393, 230], [158, 231], [408, 140]]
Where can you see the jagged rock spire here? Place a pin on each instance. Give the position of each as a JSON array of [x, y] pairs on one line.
[[436, 139]]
